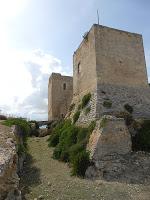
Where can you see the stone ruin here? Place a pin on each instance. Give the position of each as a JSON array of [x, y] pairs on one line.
[[110, 65]]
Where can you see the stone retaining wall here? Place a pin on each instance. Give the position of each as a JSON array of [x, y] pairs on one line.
[[10, 164]]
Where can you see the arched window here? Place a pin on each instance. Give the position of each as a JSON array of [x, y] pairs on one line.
[[64, 86]]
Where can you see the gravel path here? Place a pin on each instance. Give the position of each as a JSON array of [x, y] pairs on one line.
[[45, 178]]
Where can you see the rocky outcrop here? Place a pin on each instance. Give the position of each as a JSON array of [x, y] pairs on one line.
[[110, 136], [111, 154], [9, 179], [133, 168]]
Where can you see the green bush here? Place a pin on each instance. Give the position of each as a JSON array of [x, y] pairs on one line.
[[128, 108], [82, 134], [76, 116], [57, 153], [71, 142], [85, 100], [54, 140], [141, 141], [87, 110], [80, 163], [107, 104], [74, 150], [22, 123]]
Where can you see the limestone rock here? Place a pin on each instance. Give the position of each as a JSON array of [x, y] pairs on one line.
[[111, 136], [9, 180], [43, 132]]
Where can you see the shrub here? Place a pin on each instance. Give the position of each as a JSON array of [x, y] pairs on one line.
[[71, 107], [87, 110], [82, 134], [54, 140], [128, 108], [107, 104], [22, 123], [71, 144], [103, 122], [80, 163], [141, 141], [76, 116], [74, 150], [85, 100], [57, 153]]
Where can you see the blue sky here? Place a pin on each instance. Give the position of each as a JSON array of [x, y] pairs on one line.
[[40, 36]]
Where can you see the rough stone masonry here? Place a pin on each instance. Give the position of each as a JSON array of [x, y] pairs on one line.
[[110, 64]]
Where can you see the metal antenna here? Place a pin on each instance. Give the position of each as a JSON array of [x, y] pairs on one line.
[[97, 16]]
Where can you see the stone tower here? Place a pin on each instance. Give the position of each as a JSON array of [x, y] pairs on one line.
[[110, 64], [60, 89]]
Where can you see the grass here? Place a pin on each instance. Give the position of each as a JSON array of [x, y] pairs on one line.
[[76, 116], [45, 176], [87, 110], [85, 100], [107, 104], [70, 145]]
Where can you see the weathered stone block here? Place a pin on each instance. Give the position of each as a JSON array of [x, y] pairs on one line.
[[111, 136]]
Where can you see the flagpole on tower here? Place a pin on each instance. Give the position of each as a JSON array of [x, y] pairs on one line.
[[97, 16]]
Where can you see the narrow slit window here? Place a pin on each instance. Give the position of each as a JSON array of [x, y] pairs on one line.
[[78, 67], [64, 86]]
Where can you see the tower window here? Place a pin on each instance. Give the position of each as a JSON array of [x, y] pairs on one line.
[[78, 67], [64, 86]]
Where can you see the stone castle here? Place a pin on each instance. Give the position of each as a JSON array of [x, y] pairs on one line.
[[110, 64]]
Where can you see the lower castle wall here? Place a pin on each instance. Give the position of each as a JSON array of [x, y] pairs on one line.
[[138, 98]]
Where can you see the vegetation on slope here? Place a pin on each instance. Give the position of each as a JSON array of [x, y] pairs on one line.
[[70, 145]]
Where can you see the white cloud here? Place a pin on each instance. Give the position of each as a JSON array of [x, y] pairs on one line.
[[24, 82]]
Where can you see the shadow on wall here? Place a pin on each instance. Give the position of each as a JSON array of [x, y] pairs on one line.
[[29, 177]]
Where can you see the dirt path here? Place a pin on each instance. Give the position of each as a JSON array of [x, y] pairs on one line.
[[45, 178]]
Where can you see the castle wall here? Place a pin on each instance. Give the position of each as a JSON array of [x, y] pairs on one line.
[[84, 66], [119, 57], [137, 98], [60, 91]]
